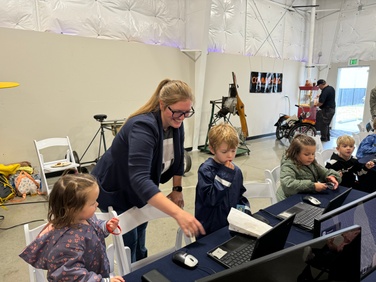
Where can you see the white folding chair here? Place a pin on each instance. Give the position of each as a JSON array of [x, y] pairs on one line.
[[54, 154], [358, 137], [260, 190], [130, 220], [319, 159], [362, 126], [363, 135], [35, 274], [273, 175], [319, 146], [110, 250], [326, 155]]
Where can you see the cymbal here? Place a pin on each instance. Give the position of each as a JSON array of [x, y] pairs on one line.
[[8, 84]]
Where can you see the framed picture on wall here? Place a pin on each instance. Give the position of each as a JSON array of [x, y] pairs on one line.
[[265, 82]]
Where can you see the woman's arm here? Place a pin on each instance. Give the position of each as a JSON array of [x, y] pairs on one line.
[[175, 196]]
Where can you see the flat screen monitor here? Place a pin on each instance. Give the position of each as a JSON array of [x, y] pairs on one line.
[[333, 257], [361, 212]]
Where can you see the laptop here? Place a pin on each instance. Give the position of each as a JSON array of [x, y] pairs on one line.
[[242, 248], [306, 213]]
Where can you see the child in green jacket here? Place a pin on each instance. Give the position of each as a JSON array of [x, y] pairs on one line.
[[300, 172]]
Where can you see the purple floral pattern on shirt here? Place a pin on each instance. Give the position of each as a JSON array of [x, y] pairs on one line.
[[71, 254]]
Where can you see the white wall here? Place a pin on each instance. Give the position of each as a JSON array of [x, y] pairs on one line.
[[65, 80]]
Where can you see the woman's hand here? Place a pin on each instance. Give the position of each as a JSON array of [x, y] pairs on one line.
[[189, 224], [177, 198]]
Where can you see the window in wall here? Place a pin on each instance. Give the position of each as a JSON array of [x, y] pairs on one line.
[[350, 96]]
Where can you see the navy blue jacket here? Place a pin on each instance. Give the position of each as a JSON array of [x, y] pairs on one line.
[[129, 172], [218, 189]]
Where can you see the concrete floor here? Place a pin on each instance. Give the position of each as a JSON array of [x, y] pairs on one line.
[[265, 154]]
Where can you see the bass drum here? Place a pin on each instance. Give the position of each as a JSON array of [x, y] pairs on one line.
[[187, 162]]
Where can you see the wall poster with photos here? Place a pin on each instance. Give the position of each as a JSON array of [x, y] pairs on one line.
[[265, 82]]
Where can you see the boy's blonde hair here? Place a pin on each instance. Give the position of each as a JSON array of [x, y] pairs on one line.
[[345, 140], [223, 133]]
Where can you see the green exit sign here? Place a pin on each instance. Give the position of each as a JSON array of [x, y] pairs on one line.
[[353, 62]]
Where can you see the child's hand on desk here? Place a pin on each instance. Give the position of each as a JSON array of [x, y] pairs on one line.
[[319, 187], [333, 180]]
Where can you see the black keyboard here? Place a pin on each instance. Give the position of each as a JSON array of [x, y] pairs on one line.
[[307, 217], [239, 256]]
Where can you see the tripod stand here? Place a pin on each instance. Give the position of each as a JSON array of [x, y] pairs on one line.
[[112, 125], [102, 138], [224, 113]]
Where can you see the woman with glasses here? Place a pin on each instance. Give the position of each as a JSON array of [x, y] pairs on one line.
[[149, 150]]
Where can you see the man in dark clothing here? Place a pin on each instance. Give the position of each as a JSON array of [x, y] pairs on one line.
[[327, 105]]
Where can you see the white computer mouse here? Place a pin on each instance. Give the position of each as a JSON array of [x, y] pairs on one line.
[[184, 259], [312, 200]]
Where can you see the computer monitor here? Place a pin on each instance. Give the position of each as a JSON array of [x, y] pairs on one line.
[[361, 212], [334, 257]]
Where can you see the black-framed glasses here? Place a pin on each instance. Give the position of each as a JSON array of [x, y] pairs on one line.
[[178, 114]]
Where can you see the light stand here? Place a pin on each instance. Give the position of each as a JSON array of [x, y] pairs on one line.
[[113, 125], [100, 118]]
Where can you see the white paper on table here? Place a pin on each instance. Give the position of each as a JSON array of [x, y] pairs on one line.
[[246, 224]]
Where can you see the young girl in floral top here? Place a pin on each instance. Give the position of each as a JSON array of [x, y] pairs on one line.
[[72, 246]]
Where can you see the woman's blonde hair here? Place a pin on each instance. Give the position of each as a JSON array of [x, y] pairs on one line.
[[69, 196], [169, 92], [296, 146]]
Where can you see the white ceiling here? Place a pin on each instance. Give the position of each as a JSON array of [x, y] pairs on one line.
[[343, 29]]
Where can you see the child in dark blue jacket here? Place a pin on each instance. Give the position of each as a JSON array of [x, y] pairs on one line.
[[220, 181]]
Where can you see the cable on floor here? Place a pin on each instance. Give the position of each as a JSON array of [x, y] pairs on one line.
[[24, 203], [21, 224], [2, 217]]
